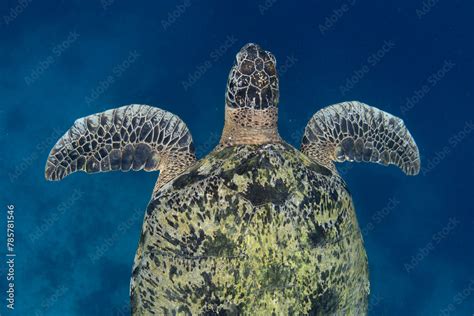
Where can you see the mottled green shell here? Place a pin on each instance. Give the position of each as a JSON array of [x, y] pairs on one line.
[[251, 230]]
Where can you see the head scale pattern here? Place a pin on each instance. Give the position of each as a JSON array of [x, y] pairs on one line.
[[253, 80]]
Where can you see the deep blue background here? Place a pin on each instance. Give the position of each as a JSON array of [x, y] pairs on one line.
[[60, 225]]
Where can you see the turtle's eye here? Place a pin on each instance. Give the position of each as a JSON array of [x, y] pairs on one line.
[[268, 57], [240, 57], [270, 68]]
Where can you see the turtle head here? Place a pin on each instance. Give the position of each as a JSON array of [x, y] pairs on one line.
[[253, 80], [251, 115]]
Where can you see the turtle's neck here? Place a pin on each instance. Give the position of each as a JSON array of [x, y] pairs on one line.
[[246, 126]]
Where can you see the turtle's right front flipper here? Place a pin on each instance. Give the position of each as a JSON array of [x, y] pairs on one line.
[[354, 131], [130, 137]]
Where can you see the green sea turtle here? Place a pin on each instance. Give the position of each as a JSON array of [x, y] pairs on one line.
[[256, 227]]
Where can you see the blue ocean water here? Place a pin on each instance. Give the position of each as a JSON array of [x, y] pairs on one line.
[[60, 60]]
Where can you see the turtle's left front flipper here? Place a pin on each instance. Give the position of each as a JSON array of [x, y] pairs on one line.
[[354, 131], [132, 137]]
